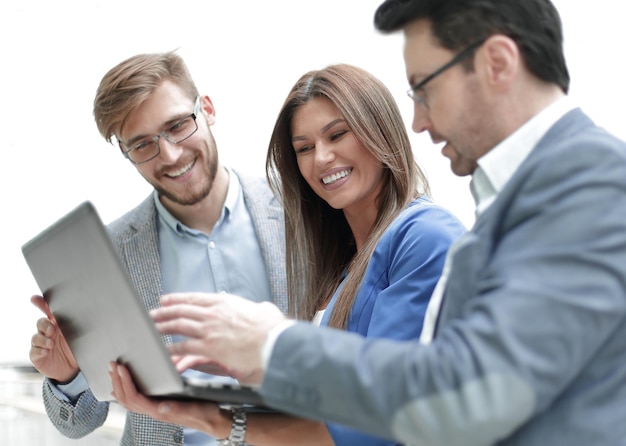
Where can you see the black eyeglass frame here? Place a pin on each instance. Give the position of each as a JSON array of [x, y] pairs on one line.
[[413, 91], [163, 134]]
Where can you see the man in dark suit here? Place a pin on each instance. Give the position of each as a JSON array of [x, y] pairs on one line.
[[526, 340]]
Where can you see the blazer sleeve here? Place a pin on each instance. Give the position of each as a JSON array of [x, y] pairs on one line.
[[74, 420]]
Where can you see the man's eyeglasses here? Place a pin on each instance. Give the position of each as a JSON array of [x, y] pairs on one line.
[[416, 92], [146, 149]]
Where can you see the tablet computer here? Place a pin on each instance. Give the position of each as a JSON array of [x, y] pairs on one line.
[[103, 319]]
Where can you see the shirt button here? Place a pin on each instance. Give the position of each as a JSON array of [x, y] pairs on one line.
[[178, 437], [211, 244]]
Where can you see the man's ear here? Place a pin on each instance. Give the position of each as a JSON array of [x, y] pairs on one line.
[[500, 58], [207, 107]]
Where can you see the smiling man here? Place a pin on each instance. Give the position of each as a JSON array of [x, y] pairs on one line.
[[205, 227]]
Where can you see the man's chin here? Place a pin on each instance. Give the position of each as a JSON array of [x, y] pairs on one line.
[[461, 169], [187, 199]]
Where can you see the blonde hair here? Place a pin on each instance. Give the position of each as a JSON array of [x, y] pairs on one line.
[[127, 85]]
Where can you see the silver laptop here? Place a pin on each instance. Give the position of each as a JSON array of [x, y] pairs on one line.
[[102, 318]]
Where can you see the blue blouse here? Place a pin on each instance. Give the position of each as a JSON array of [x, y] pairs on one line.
[[400, 278]]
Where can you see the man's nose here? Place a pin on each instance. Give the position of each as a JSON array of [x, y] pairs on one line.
[[169, 152], [421, 119]]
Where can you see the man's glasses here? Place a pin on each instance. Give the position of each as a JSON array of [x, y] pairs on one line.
[[146, 149], [417, 93]]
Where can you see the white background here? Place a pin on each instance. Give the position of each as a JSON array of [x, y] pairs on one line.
[[245, 55]]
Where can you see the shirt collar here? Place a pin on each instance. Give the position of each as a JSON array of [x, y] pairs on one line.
[[497, 166]]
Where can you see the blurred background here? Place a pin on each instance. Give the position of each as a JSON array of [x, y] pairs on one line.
[[245, 55]]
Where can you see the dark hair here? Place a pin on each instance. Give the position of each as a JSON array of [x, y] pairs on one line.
[[534, 25], [320, 244]]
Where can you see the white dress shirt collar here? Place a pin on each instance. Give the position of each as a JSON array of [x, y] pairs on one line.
[[498, 165]]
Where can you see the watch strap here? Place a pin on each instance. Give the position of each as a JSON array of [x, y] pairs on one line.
[[237, 431]]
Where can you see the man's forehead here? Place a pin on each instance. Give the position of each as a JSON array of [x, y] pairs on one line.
[[167, 102], [419, 27]]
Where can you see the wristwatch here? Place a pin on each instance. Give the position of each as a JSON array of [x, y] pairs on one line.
[[237, 430]]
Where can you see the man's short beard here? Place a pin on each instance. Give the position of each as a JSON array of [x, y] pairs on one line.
[[195, 198]]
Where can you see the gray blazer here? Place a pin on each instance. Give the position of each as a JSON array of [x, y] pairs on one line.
[[530, 347], [135, 238]]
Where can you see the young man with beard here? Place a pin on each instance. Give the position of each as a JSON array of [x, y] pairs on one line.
[[205, 227]]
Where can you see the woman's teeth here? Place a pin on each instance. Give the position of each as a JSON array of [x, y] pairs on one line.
[[336, 176]]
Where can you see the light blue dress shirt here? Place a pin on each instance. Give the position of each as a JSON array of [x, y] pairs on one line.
[[227, 260]]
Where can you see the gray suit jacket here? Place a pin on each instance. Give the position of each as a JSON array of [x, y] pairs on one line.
[[530, 347], [135, 238]]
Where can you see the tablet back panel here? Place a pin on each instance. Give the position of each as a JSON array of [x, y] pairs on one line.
[[96, 306]]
